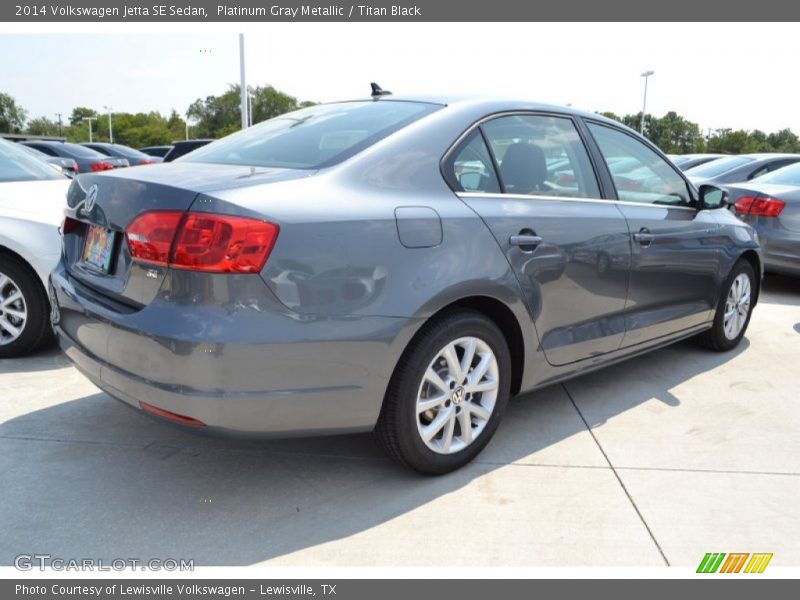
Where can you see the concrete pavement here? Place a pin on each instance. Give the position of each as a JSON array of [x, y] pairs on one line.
[[654, 461]]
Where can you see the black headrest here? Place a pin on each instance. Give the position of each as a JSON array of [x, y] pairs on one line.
[[524, 168]]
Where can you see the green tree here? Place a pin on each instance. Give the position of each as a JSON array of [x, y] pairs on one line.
[[42, 126], [79, 112], [218, 116], [12, 116], [784, 141]]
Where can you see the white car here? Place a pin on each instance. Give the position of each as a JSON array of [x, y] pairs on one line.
[[32, 200]]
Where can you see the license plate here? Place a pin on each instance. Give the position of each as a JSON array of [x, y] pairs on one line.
[[98, 248]]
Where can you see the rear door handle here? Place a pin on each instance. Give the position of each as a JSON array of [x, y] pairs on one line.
[[644, 237], [525, 240]]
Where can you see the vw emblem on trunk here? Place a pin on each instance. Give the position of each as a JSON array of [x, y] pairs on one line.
[[91, 198]]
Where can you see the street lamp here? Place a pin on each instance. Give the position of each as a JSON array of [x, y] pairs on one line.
[[110, 131], [90, 119], [243, 82], [646, 75]]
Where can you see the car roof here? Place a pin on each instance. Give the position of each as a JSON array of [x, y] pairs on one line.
[[489, 105]]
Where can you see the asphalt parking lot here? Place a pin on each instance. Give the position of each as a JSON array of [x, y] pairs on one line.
[[654, 461]]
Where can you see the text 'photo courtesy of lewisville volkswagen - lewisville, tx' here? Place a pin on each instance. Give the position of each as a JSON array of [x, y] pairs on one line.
[[306, 296]]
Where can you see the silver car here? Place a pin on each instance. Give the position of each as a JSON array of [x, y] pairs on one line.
[[771, 204], [396, 265]]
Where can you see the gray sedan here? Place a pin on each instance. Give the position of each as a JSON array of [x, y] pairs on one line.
[[396, 265], [742, 167], [771, 204]]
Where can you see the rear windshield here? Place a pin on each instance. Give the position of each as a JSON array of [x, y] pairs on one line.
[[18, 165], [719, 166], [786, 176], [313, 137], [82, 151]]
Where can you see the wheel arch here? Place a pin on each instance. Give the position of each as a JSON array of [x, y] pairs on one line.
[[752, 257], [501, 315]]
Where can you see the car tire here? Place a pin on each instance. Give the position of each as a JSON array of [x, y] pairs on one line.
[[733, 313], [24, 309], [466, 407]]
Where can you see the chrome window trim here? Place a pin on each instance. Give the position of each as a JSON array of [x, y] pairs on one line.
[[501, 195]]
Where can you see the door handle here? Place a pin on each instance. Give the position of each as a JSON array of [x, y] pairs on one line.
[[524, 240], [644, 237]]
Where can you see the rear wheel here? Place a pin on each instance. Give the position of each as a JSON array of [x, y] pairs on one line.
[[733, 311], [24, 309], [447, 395]]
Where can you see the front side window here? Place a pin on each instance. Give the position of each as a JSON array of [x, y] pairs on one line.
[[541, 155], [639, 173]]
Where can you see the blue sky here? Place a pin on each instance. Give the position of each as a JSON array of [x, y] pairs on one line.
[[702, 71]]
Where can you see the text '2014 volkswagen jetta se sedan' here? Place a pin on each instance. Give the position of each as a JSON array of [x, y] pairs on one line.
[[400, 265]]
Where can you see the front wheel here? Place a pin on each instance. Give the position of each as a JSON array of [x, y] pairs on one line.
[[447, 395], [733, 311]]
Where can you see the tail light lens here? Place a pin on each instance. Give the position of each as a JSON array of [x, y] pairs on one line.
[[101, 166], [146, 161], [69, 225], [201, 242], [760, 207], [150, 235]]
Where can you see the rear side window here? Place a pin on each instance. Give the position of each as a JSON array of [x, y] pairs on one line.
[[786, 176], [471, 167], [541, 155], [313, 137], [639, 173]]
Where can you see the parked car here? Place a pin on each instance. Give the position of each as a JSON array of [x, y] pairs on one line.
[[688, 161], [32, 201], [159, 151], [743, 167], [134, 157], [88, 160], [65, 166], [182, 147], [399, 265], [771, 204]]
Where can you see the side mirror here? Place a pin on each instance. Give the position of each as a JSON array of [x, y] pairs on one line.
[[712, 197]]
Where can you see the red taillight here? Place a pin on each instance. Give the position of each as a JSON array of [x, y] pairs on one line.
[[150, 235], [69, 225], [74, 167], [101, 166], [165, 414], [146, 161], [760, 207], [201, 242]]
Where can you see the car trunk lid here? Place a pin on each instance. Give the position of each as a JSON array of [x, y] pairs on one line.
[[100, 207]]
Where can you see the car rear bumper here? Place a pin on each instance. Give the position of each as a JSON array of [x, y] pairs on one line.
[[781, 249], [296, 377]]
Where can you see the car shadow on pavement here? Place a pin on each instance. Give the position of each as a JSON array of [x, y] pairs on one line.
[[781, 289], [93, 478]]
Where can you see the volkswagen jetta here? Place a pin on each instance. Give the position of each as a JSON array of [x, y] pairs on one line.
[[401, 265]]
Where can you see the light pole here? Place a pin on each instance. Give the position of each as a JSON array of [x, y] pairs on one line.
[[646, 76], [90, 119], [60, 128], [110, 131], [243, 82]]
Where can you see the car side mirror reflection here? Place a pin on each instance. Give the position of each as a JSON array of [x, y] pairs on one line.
[[712, 197]]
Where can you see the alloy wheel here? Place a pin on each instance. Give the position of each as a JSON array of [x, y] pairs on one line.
[[737, 306], [457, 395]]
